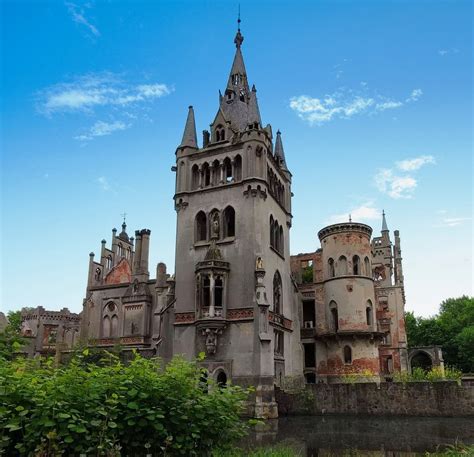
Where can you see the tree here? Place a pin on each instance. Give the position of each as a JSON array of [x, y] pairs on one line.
[[452, 329]]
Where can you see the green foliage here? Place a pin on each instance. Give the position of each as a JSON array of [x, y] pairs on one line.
[[307, 275], [452, 329], [114, 409], [433, 375], [454, 450], [10, 339]]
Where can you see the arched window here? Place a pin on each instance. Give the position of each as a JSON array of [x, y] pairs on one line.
[[218, 292], [114, 326], [229, 222], [120, 250], [355, 265], [368, 312], [201, 226], [98, 274], [216, 171], [206, 291], [106, 327], [129, 253], [238, 168], [109, 262], [272, 233], [277, 293], [220, 133], [280, 240], [331, 267], [368, 271], [206, 175], [347, 355], [334, 324], [194, 177], [227, 170], [342, 266], [276, 236]]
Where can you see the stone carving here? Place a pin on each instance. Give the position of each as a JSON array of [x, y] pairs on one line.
[[259, 263], [215, 228], [211, 339]]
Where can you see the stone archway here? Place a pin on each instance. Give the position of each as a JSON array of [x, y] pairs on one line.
[[421, 359]]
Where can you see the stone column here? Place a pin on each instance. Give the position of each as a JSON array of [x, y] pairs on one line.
[[212, 308]]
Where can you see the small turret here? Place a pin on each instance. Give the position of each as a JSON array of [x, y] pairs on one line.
[[279, 151], [384, 222], [189, 139]]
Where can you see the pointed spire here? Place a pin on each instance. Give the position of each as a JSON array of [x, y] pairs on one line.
[[279, 152], [238, 40], [384, 222], [189, 136]]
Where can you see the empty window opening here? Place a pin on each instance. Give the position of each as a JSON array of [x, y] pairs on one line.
[[331, 268], [309, 355], [221, 379], [279, 343], [227, 170], [206, 291], [229, 222], [368, 312], [309, 314], [218, 292], [355, 265], [368, 271], [206, 173], [342, 266], [194, 177], [347, 355], [307, 272], [201, 226], [334, 316], [310, 378], [238, 168]]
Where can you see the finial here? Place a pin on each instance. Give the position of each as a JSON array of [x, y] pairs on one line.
[[384, 222], [238, 37], [124, 215], [350, 217]]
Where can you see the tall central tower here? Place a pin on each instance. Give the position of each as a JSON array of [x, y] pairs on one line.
[[235, 299]]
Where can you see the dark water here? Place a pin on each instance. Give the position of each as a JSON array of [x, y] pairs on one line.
[[355, 435]]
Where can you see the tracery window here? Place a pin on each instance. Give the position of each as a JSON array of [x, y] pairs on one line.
[[110, 321]]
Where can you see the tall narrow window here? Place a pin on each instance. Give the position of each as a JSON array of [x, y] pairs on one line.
[[201, 226], [114, 326], [279, 348], [206, 291], [368, 271], [347, 355], [368, 312], [194, 177], [276, 236], [342, 266], [334, 316], [277, 293], [229, 222], [206, 175], [355, 265], [280, 239], [218, 292], [227, 170], [331, 268], [272, 233], [106, 327], [238, 168], [216, 172]]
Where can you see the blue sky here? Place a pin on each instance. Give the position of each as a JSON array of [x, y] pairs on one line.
[[373, 98]]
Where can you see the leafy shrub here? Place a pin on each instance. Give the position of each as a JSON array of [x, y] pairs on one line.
[[114, 409], [435, 374]]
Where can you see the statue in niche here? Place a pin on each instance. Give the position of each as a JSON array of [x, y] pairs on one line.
[[259, 263], [215, 228]]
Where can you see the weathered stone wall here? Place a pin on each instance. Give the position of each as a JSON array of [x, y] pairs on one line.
[[410, 399]]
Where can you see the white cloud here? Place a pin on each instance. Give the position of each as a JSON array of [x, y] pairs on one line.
[[414, 96], [101, 128], [104, 183], [344, 104], [454, 221], [445, 52], [78, 15], [365, 212], [401, 185], [85, 93], [416, 163]]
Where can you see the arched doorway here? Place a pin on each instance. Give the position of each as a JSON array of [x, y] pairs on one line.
[[421, 360], [221, 379]]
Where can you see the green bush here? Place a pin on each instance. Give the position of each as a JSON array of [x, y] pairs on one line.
[[435, 374], [115, 409]]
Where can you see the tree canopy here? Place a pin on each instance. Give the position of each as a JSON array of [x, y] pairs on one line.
[[452, 329]]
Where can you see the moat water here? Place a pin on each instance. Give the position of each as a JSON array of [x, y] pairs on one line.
[[355, 435]]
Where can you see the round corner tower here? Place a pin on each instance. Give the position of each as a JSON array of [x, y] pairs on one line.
[[350, 333]]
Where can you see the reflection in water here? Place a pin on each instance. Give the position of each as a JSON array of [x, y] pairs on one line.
[[355, 435]]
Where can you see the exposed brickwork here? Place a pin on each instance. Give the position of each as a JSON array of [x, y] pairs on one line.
[[120, 274]]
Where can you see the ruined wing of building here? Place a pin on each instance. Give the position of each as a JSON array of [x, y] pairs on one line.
[[237, 294]]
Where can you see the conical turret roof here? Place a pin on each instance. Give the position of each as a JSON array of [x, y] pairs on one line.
[[189, 136]]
